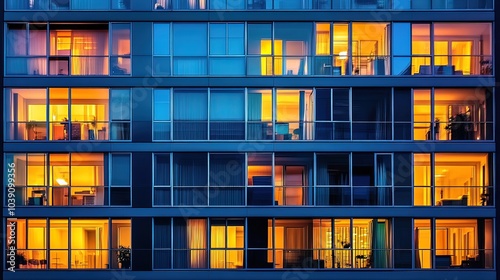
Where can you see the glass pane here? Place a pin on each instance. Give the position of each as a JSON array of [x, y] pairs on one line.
[[120, 4], [59, 244], [236, 39], [162, 170], [120, 170], [363, 171], [422, 117], [89, 4], [227, 66], [60, 128], [401, 39], [218, 39], [259, 39], [190, 39], [120, 108], [260, 104], [120, 39], [422, 179], [333, 169], [161, 39], [190, 169], [161, 105], [190, 105], [161, 66], [323, 38], [227, 105], [227, 170]]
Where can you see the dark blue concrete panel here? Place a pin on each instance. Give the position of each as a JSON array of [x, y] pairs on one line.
[[142, 67], [141, 132], [296, 274], [142, 243], [258, 211], [140, 5], [269, 15], [142, 64], [142, 38], [142, 104], [252, 147]]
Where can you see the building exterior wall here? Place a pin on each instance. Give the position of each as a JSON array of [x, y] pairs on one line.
[[130, 146]]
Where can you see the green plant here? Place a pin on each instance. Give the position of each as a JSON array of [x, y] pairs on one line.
[[21, 259], [123, 254], [459, 120], [30, 125]]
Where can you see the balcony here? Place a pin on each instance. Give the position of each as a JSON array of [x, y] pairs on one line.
[[71, 49], [77, 5]]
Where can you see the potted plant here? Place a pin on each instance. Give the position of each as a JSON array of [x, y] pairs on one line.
[[459, 125], [31, 126], [346, 245], [124, 257], [93, 125], [20, 260]]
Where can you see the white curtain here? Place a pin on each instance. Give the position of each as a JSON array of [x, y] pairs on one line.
[[38, 42], [17, 39], [190, 114], [197, 242], [218, 242], [190, 65], [89, 50], [190, 4], [162, 4], [27, 4], [90, 4]]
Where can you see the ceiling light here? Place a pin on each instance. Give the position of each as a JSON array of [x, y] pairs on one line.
[[61, 182]]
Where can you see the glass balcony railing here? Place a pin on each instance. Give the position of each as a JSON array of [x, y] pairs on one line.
[[187, 195], [453, 130], [444, 65], [61, 196], [441, 258], [360, 254], [332, 131], [159, 5], [333, 195], [68, 66], [269, 65], [233, 130], [292, 5], [463, 196], [231, 196], [443, 4], [76, 258], [26, 66], [292, 196], [55, 131], [294, 131], [80, 5]]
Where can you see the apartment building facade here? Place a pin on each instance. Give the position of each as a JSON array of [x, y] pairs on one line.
[[273, 139]]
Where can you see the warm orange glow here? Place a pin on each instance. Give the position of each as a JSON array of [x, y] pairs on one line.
[[458, 179], [267, 61], [197, 240], [323, 39]]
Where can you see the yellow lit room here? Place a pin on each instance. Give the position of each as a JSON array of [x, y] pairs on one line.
[[459, 114], [459, 180], [76, 114], [89, 247]]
